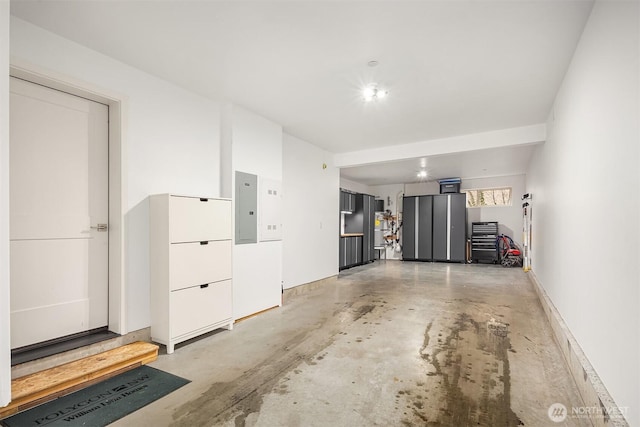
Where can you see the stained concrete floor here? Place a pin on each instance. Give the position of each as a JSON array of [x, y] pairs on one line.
[[388, 344]]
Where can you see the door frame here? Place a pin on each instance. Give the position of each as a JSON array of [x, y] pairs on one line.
[[118, 106]]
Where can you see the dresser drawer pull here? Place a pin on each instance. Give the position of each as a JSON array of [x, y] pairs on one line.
[[204, 243], [204, 199], [206, 285]]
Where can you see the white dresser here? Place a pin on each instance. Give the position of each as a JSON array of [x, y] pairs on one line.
[[190, 241]]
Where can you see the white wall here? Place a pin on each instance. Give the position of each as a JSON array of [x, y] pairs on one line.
[[509, 217], [585, 185], [388, 193], [171, 141], [356, 187], [422, 188], [311, 204], [456, 144], [256, 148], [5, 342]]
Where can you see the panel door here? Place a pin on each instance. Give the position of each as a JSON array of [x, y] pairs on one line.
[[58, 196], [440, 228], [425, 231], [371, 228], [365, 238], [194, 219], [198, 263], [351, 202], [458, 227], [200, 306], [348, 252], [367, 229], [354, 252], [409, 219]]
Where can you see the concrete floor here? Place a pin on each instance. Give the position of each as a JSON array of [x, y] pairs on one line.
[[389, 344]]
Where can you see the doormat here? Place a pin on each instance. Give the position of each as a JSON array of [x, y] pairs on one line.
[[102, 403]]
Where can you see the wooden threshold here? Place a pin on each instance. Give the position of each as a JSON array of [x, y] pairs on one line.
[[40, 387]]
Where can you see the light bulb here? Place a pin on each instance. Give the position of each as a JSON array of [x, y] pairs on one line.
[[372, 93], [369, 92]]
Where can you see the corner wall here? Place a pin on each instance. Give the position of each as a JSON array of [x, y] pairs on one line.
[[509, 218], [585, 184], [171, 141], [256, 148], [5, 334], [310, 213]]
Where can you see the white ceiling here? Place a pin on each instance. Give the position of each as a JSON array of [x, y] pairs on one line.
[[451, 67], [470, 164]]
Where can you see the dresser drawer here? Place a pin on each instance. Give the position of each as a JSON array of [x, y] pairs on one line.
[[193, 264], [194, 219], [196, 308]]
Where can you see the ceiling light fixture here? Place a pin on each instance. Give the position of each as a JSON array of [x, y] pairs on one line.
[[373, 93], [422, 174]]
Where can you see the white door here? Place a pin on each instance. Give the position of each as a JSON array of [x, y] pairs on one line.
[[59, 196]]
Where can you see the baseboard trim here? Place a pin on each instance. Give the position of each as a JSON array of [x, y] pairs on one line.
[[257, 313], [594, 394], [306, 287]]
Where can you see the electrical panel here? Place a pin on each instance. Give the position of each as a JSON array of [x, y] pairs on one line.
[[246, 208]]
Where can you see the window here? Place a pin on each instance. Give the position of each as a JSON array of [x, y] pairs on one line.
[[488, 197]]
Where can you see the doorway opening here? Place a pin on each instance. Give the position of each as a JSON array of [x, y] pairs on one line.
[[115, 325]]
